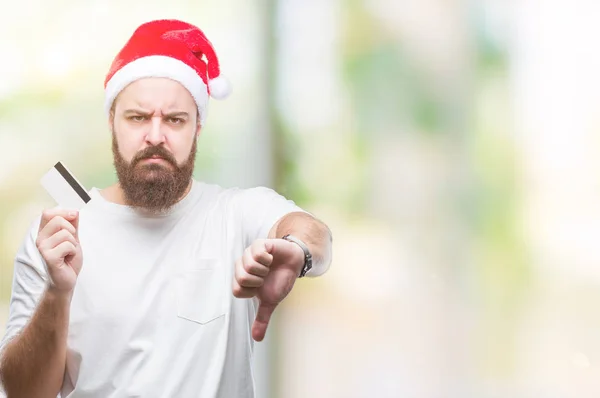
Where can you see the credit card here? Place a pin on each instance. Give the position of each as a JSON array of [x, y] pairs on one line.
[[64, 188]]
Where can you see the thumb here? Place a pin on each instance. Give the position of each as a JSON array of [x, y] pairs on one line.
[[270, 245], [263, 316], [275, 246]]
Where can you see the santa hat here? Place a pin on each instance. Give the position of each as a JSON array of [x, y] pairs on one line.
[[172, 49]]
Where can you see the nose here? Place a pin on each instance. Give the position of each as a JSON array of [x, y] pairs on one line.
[[155, 135]]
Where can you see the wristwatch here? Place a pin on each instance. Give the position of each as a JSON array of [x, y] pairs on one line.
[[307, 256]]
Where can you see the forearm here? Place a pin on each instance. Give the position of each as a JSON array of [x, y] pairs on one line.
[[33, 363], [314, 233]]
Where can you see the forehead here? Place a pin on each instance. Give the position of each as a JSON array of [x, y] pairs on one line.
[[157, 93]]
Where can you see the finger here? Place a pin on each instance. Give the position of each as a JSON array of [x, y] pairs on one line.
[[243, 292], [253, 267], [75, 223], [55, 225], [263, 317], [61, 236], [61, 251], [49, 214], [245, 279], [260, 254]]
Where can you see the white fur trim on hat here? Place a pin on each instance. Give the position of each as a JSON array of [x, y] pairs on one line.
[[158, 66]]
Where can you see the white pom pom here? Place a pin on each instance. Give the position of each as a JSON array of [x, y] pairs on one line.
[[219, 87]]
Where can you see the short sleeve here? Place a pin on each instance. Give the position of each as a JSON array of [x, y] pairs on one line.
[[29, 282], [261, 208]]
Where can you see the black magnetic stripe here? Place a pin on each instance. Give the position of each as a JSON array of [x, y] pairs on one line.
[[74, 184]]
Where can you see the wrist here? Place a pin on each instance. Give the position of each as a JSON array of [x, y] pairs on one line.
[[60, 295], [305, 262], [298, 257]]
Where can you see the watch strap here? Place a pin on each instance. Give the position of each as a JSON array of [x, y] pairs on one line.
[[307, 256]]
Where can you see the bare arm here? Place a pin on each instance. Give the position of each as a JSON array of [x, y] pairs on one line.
[[33, 363], [269, 267], [311, 231]]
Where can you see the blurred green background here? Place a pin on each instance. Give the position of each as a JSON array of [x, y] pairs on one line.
[[451, 146]]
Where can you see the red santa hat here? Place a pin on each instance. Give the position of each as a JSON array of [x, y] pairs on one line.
[[172, 49]]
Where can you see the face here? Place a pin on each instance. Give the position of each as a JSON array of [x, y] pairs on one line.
[[155, 127]]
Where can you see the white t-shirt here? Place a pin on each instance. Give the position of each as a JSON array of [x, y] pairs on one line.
[[153, 314]]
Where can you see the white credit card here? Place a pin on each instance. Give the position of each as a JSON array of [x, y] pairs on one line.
[[64, 188]]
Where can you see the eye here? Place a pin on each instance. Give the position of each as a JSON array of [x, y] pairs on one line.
[[176, 120], [137, 118]]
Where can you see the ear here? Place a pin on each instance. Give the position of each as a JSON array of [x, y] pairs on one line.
[[198, 129], [111, 119]]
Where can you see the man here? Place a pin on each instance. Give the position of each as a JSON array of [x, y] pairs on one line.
[[160, 284]]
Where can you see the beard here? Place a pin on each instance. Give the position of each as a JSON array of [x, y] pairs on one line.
[[154, 187]]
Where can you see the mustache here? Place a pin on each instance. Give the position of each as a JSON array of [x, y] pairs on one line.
[[151, 151]]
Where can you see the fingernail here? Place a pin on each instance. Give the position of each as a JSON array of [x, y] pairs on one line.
[[72, 214]]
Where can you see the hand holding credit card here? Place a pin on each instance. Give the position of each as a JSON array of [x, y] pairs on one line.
[[58, 236], [64, 188]]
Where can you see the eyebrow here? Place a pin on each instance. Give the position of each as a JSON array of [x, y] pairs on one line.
[[147, 113], [177, 114], [136, 112]]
